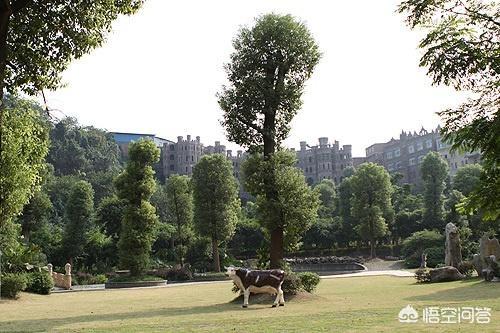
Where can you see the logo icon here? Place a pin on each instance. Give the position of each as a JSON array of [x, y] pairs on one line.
[[408, 315]]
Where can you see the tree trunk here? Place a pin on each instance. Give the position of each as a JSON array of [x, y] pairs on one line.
[[276, 248], [215, 254]]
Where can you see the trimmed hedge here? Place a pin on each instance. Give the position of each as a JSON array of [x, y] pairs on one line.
[[309, 281]]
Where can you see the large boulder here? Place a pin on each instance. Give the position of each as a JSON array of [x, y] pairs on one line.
[[445, 274], [486, 262], [453, 252]]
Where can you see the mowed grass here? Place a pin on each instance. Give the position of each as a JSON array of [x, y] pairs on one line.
[[359, 304]]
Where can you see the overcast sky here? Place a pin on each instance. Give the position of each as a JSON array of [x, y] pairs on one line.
[[160, 70]]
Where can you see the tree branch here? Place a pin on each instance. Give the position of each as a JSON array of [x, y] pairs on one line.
[[249, 124]]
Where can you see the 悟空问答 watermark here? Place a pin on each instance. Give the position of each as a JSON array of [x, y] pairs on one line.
[[446, 315]]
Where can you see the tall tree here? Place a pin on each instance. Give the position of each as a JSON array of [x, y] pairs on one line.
[[136, 185], [327, 198], [267, 74], [296, 204], [434, 173], [180, 209], [216, 202], [79, 210], [348, 233], [22, 152], [462, 49], [468, 178], [371, 201]]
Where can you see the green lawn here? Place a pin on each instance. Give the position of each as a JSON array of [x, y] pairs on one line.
[[361, 304]]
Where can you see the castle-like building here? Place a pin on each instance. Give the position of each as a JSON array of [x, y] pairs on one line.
[[324, 161], [405, 155]]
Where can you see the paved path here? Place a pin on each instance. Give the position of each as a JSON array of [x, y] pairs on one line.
[[398, 273], [95, 287]]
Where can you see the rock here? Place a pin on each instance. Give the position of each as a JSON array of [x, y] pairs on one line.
[[491, 269], [486, 262], [453, 253], [445, 274], [478, 263]]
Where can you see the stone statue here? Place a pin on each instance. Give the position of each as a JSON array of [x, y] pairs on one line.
[[423, 261], [453, 253], [486, 262], [67, 268]]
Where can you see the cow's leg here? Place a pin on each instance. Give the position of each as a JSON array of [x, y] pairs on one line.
[[275, 304], [281, 297], [246, 294]]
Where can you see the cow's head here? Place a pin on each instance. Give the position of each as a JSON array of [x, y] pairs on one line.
[[230, 271]]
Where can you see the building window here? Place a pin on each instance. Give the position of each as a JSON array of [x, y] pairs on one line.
[[398, 165], [172, 167], [397, 152], [420, 146], [186, 169], [428, 143], [172, 157], [187, 158], [411, 149], [192, 158], [420, 159], [172, 147], [310, 159], [389, 155], [411, 161]]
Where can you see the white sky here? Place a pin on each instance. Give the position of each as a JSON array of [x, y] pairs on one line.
[[161, 68]]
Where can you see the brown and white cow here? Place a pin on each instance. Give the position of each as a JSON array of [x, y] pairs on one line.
[[258, 282]]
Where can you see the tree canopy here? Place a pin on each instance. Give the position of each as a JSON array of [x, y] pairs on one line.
[[462, 49], [371, 201], [216, 202], [23, 147], [38, 39]]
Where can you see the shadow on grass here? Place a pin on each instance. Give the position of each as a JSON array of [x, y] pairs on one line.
[[468, 290], [49, 324]]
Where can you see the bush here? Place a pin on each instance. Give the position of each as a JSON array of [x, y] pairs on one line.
[[414, 246], [309, 281], [178, 274], [423, 275], [12, 284], [39, 283], [435, 256], [82, 278], [292, 283], [466, 268]]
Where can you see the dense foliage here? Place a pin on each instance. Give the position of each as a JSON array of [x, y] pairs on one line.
[[135, 186], [461, 49], [296, 204], [371, 202]]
